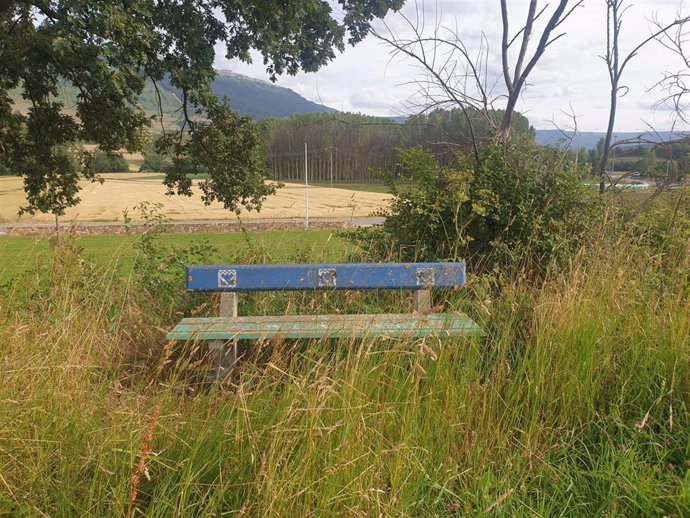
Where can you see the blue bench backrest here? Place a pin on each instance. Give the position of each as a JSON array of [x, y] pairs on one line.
[[367, 276]]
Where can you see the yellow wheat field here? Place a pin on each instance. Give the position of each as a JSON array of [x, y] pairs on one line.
[[123, 191]]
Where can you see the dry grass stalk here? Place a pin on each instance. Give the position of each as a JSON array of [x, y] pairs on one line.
[[145, 453]]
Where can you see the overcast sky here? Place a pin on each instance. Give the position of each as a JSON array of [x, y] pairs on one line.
[[365, 79]]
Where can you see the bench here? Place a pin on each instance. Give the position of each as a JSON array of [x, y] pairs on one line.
[[224, 331]]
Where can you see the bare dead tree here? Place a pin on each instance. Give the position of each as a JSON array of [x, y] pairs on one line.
[[446, 80], [454, 75], [616, 63], [568, 132], [674, 84], [516, 79]]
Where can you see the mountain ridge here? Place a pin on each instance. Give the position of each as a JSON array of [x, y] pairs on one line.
[[590, 139], [263, 100], [246, 95]]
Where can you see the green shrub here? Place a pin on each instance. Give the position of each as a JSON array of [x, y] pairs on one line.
[[109, 163], [522, 202], [155, 162], [159, 269]]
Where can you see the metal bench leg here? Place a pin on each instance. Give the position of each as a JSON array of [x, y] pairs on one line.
[[422, 300], [225, 357], [225, 352]]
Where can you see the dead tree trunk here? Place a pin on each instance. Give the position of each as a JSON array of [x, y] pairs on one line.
[[616, 66]]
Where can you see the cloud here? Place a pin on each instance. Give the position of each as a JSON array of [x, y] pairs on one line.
[[373, 100], [367, 78]]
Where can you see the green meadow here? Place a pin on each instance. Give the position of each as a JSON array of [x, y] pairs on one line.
[[575, 404], [20, 254]]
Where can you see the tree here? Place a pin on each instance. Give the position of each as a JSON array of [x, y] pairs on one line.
[[616, 63], [515, 75], [107, 50], [454, 75], [648, 162]]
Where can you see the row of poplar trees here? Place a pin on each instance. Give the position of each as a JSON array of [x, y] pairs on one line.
[[346, 147]]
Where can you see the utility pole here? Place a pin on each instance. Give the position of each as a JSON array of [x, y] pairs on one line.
[[331, 149], [306, 189]]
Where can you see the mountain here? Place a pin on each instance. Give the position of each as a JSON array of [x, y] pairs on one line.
[[589, 139], [258, 99], [261, 99]]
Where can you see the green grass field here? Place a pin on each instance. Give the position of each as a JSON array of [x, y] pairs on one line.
[[20, 253], [371, 186]]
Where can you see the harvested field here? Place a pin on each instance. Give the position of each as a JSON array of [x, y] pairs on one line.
[[123, 191]]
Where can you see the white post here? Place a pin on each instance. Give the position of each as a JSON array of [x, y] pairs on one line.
[[331, 166], [306, 189]]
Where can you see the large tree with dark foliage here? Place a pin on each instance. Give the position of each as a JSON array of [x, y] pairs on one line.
[[108, 49]]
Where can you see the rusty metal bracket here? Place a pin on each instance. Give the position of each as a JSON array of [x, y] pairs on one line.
[[425, 277], [327, 278]]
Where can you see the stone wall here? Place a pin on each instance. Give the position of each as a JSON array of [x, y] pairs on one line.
[[90, 229]]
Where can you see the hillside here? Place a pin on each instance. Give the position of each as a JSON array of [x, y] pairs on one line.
[[261, 99], [258, 99]]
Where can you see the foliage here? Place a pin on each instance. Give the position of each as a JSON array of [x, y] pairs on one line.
[[107, 50], [228, 150], [575, 404], [109, 162], [452, 128], [661, 226], [356, 146], [595, 155], [522, 202], [155, 162], [159, 270]]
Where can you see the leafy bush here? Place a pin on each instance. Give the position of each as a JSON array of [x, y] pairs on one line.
[[160, 270], [109, 163], [521, 202], [155, 162]]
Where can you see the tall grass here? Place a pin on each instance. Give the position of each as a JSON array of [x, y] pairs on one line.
[[576, 404]]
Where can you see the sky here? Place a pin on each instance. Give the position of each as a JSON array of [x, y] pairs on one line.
[[571, 77]]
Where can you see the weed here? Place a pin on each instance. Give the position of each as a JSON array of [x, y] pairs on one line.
[[576, 404]]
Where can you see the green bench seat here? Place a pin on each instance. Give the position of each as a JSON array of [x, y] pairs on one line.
[[325, 326]]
